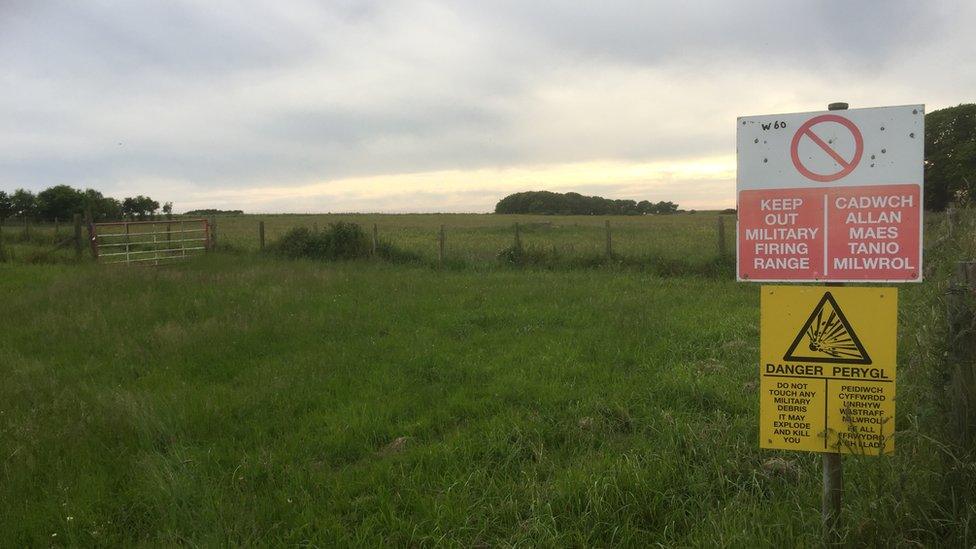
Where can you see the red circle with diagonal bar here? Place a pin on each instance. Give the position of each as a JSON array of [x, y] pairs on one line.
[[847, 166]]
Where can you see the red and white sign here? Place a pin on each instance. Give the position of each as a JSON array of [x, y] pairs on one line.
[[834, 197]]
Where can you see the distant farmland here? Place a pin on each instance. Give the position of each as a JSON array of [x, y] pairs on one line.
[[478, 238]]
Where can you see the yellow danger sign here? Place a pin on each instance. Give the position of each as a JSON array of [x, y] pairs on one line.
[[827, 371]]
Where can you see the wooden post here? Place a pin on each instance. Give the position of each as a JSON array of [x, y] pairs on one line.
[[57, 227], [213, 233], [261, 233], [833, 468], [833, 492], [518, 238], [155, 245], [77, 224], [26, 228], [609, 242], [949, 220], [721, 237], [958, 316], [92, 233], [440, 248], [375, 240], [127, 241]]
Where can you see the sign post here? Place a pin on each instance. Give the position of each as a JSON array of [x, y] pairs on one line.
[[829, 197]]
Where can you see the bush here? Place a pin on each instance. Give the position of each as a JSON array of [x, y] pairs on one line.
[[341, 240]]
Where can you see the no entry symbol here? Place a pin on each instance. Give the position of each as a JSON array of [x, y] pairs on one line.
[[806, 131]]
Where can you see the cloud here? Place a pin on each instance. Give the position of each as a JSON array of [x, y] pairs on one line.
[[259, 102]]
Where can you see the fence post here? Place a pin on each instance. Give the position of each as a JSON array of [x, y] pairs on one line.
[[93, 240], [92, 233], [77, 224], [57, 227], [127, 243], [957, 310], [375, 239], [609, 241], [959, 317], [440, 248], [26, 227], [261, 233], [722, 249], [213, 232], [518, 238]]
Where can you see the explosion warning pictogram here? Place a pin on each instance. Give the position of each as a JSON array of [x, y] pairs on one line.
[[828, 337]]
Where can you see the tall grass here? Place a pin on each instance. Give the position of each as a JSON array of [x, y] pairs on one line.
[[257, 401]]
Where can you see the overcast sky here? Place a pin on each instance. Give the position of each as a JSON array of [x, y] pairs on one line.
[[314, 106]]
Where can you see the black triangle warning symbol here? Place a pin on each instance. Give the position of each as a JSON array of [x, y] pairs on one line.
[[827, 336]]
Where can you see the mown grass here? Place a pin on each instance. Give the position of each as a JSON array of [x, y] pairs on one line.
[[239, 399]]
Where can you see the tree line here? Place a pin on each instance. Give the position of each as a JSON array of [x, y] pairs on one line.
[[63, 202], [950, 156], [550, 203]]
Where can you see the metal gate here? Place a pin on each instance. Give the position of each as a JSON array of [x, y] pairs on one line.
[[149, 242]]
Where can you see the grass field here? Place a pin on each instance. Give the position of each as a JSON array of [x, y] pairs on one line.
[[240, 399], [689, 242], [477, 239]]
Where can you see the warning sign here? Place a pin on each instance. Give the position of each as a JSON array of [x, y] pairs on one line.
[[831, 196], [827, 371], [827, 337]]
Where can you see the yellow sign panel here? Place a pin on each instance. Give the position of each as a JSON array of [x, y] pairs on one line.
[[827, 372]]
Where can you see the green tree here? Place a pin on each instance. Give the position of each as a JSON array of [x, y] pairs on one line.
[[102, 208], [60, 202], [6, 206], [950, 156], [148, 207], [24, 202], [141, 207], [168, 210]]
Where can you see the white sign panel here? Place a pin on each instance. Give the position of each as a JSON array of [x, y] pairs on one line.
[[831, 196], [877, 146]]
